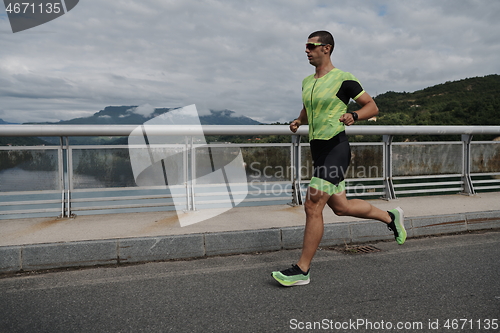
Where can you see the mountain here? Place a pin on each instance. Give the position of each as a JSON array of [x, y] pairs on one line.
[[137, 115], [2, 122], [226, 117], [132, 115], [19, 141], [471, 101]]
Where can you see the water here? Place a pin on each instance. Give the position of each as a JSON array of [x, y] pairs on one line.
[[17, 179], [93, 196]]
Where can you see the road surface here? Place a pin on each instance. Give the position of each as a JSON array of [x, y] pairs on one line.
[[436, 284]]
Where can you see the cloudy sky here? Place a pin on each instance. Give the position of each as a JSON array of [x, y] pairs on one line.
[[244, 55]]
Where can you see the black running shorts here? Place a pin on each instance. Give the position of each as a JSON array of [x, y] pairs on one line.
[[331, 159]]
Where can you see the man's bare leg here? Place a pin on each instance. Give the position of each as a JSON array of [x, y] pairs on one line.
[[356, 208], [314, 206], [313, 233]]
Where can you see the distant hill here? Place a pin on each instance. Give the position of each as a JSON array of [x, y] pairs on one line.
[[134, 115], [472, 101], [124, 115], [19, 141], [128, 115], [2, 122]]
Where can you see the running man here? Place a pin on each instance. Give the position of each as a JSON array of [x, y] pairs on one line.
[[325, 96]]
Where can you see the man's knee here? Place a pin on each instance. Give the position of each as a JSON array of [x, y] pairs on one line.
[[314, 207], [310, 206]]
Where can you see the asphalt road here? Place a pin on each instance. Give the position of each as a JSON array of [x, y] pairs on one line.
[[422, 286]]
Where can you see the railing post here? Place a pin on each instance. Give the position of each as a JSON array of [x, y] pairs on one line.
[[466, 169], [187, 180], [62, 186], [67, 178], [192, 149], [296, 177], [390, 193]]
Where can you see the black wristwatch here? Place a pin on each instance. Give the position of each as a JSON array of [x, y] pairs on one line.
[[354, 115]]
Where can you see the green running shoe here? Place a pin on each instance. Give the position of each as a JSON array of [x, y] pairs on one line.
[[292, 277], [398, 225]]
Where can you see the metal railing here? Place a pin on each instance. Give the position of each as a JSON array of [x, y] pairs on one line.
[[98, 178]]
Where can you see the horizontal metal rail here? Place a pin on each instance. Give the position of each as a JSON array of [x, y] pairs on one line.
[[190, 130], [387, 184]]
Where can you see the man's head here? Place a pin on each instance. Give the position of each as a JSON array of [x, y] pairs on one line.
[[319, 48], [324, 37]]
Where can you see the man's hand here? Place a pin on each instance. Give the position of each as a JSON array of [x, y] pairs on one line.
[[347, 119], [294, 126]]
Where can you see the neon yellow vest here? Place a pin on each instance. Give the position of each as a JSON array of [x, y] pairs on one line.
[[323, 106]]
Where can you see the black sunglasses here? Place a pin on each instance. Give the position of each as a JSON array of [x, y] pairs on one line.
[[312, 46]]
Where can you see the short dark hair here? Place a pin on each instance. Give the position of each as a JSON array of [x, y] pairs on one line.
[[324, 37]]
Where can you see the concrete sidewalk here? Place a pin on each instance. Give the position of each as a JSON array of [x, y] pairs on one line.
[[47, 243]]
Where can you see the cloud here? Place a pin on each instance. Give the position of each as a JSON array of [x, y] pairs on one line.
[[246, 56], [144, 110]]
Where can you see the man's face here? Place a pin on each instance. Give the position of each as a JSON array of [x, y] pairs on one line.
[[315, 54]]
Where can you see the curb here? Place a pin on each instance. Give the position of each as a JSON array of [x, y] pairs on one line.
[[136, 250]]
